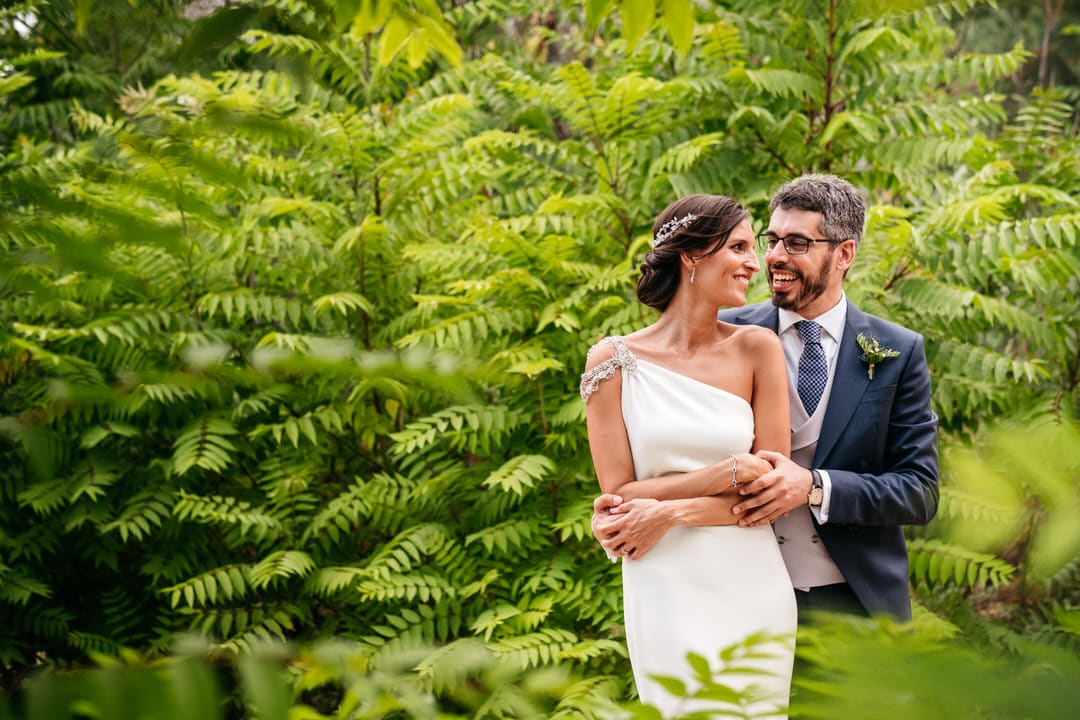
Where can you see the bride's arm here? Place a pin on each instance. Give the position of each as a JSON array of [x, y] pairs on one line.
[[715, 479], [643, 521], [608, 441], [631, 525], [614, 463], [762, 352], [772, 413]]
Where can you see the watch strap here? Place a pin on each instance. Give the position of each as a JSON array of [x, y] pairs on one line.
[[817, 489]]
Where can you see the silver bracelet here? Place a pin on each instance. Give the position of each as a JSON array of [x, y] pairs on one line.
[[734, 472]]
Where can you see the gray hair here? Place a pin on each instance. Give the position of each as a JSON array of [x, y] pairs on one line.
[[842, 208]]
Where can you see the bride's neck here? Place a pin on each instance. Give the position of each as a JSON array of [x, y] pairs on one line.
[[683, 330]]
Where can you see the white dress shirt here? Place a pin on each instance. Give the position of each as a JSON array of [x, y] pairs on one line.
[[807, 560]]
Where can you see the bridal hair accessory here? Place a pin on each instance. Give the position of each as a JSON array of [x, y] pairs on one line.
[[672, 226], [873, 353]]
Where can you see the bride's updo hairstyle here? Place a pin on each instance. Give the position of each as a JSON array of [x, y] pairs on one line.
[[696, 225]]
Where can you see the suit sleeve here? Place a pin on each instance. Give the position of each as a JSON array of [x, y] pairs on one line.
[[900, 483]]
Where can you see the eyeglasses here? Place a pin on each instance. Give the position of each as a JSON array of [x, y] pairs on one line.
[[794, 244]]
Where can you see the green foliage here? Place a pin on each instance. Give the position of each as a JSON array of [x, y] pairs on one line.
[[936, 564], [70, 55], [850, 668], [867, 670], [460, 680], [713, 679], [1030, 497], [291, 349]]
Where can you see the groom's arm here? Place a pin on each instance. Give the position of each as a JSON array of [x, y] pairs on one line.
[[906, 493], [901, 487]]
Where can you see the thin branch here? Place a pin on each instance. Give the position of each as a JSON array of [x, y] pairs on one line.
[[830, 59], [1050, 21], [114, 43], [543, 409], [68, 39], [898, 274], [765, 144], [123, 70], [775, 154]]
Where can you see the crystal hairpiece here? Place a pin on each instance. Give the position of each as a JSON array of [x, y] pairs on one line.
[[672, 226]]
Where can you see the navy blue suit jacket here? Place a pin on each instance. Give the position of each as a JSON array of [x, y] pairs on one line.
[[878, 443]]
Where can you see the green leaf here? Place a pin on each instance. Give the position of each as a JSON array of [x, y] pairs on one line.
[[371, 16], [678, 19], [265, 686], [83, 10], [673, 685], [214, 32], [439, 36], [394, 35], [874, 38], [637, 17], [11, 83], [595, 10], [861, 124], [785, 83], [193, 690]]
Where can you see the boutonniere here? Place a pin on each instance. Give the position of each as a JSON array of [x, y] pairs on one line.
[[874, 352]]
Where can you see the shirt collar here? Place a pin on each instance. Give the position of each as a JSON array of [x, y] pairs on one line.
[[831, 321]]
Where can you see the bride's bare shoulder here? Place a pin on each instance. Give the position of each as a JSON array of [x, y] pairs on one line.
[[618, 345], [755, 338], [602, 351]]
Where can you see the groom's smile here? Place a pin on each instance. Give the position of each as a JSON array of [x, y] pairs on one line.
[[795, 289], [781, 278]]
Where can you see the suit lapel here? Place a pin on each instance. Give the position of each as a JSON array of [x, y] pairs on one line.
[[849, 383], [764, 314]]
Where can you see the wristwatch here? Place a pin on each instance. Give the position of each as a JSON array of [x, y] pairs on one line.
[[817, 490]]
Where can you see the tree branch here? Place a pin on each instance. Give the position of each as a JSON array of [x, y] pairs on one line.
[[1050, 20], [68, 39], [776, 155]]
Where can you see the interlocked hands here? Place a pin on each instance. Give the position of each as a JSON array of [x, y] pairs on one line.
[[768, 486]]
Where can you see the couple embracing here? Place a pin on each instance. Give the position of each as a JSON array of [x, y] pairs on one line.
[[758, 464]]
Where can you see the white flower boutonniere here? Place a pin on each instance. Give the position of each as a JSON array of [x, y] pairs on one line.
[[874, 352]]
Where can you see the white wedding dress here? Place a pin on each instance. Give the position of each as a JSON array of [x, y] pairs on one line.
[[699, 589]]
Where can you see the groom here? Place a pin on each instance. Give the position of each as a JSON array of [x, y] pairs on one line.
[[864, 437]]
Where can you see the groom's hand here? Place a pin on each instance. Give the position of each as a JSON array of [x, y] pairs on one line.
[[774, 494]]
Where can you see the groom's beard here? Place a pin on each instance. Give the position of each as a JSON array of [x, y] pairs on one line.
[[807, 288]]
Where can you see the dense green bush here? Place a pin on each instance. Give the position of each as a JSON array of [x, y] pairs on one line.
[[292, 352]]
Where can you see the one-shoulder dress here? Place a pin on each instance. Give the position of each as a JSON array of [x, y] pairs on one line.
[[699, 589]]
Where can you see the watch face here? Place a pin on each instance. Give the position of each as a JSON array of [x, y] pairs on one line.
[[816, 496]]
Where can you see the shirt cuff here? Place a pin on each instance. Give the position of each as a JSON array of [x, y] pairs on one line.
[[821, 512]]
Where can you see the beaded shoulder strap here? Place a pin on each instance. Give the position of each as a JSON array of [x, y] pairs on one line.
[[622, 358]]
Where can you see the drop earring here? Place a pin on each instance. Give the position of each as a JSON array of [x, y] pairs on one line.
[[693, 269]]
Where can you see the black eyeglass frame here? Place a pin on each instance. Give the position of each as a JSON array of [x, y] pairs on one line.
[[767, 241]]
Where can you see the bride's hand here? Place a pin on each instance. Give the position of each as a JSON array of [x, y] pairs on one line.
[[632, 528], [602, 506]]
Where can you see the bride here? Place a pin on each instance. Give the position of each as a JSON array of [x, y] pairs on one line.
[[674, 412]]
